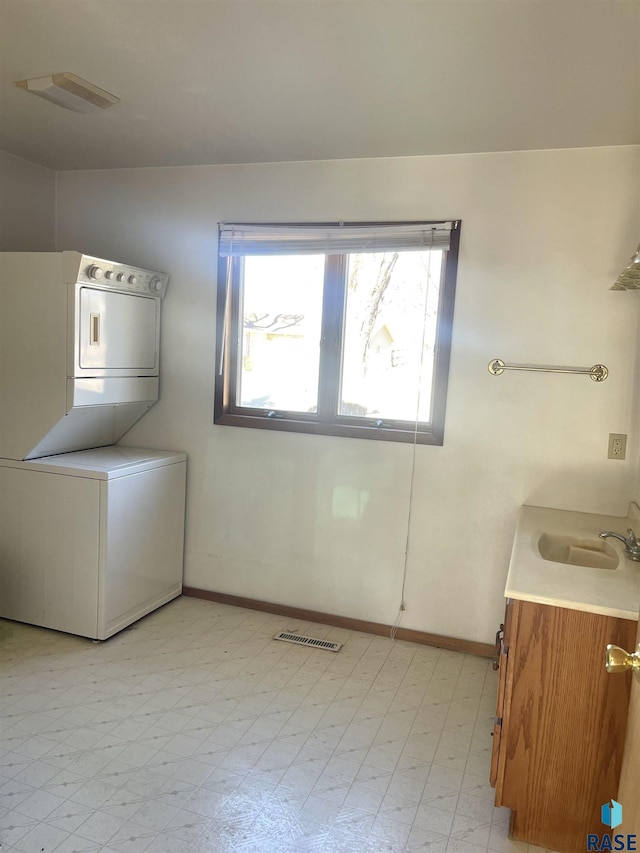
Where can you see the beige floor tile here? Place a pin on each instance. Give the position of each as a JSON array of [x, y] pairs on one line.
[[194, 732]]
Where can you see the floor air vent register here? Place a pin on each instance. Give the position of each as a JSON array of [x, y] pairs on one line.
[[308, 641]]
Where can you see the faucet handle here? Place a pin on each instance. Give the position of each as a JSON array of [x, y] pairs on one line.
[[633, 542]]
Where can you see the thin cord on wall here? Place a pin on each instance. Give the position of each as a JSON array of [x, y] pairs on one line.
[[403, 606]]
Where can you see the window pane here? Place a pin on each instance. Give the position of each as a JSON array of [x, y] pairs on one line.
[[390, 334], [281, 309]]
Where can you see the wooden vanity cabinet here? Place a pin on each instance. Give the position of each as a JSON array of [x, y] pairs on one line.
[[560, 722]]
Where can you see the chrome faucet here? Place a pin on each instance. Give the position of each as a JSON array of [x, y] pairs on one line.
[[630, 542]]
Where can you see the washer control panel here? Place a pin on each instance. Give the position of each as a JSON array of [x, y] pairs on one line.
[[121, 277]]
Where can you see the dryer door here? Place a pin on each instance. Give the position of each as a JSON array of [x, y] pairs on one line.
[[117, 332]]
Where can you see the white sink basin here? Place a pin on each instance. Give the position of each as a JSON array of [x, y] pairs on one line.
[[593, 553], [559, 559]]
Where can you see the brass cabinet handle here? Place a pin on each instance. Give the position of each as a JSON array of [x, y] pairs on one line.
[[499, 639], [619, 660]]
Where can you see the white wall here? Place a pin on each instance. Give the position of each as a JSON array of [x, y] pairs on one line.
[[27, 206], [320, 522]]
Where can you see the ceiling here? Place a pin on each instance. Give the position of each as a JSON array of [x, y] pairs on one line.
[[246, 81]]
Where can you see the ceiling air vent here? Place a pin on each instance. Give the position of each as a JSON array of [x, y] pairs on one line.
[[69, 91], [308, 641]]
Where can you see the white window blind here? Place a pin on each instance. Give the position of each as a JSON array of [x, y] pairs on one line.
[[236, 240]]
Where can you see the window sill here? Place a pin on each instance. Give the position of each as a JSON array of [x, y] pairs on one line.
[[404, 433]]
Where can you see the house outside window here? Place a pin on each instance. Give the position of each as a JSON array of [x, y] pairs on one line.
[[336, 329]]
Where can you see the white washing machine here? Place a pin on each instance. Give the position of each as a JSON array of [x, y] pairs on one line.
[[91, 541]]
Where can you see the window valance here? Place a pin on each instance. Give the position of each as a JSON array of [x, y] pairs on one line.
[[238, 240]]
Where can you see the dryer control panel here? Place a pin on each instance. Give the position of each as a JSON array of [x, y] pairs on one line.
[[111, 275]]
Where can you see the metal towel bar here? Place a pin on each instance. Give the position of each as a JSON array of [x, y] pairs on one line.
[[598, 372]]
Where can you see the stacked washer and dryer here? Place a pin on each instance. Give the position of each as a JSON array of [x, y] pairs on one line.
[[91, 533]]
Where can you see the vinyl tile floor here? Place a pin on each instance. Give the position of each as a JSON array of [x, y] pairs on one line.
[[193, 731]]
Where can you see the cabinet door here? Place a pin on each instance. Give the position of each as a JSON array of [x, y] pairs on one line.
[[563, 726], [503, 640]]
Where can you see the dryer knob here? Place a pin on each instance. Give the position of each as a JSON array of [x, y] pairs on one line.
[[95, 273], [108, 275], [156, 285], [132, 279], [120, 276]]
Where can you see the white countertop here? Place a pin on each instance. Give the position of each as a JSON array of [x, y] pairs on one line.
[[612, 592]]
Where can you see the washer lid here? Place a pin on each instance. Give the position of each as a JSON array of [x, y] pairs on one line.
[[100, 463]]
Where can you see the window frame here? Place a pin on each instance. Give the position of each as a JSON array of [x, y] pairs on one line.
[[228, 349]]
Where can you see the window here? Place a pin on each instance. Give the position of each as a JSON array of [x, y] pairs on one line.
[[336, 329]]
